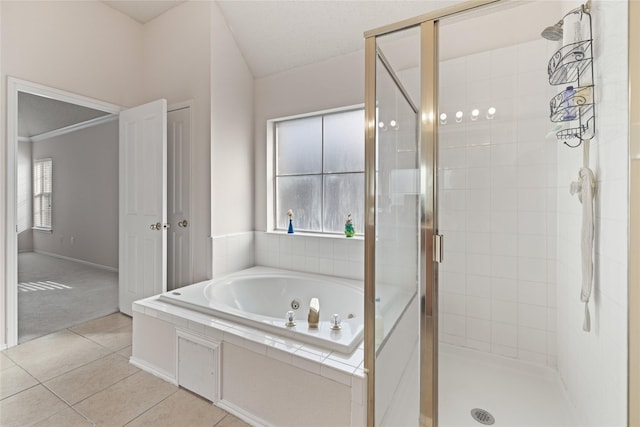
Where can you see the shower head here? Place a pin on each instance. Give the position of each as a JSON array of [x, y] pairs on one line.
[[554, 32]]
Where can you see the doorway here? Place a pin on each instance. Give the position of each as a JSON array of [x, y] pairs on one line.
[[182, 134], [16, 87], [67, 184]]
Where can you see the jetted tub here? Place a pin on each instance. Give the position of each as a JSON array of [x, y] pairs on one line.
[[261, 297]]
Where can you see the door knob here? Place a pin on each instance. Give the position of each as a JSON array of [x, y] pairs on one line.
[[183, 223], [156, 226]]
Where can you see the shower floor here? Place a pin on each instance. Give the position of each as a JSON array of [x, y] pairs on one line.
[[517, 394]]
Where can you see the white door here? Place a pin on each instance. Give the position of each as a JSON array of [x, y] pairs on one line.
[[143, 203], [179, 268]]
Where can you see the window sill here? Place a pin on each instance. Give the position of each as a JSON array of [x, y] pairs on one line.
[[42, 229], [320, 235]]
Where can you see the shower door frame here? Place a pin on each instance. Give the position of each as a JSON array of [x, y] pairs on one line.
[[428, 322]]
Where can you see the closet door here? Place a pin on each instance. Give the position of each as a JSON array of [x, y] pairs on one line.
[[143, 203]]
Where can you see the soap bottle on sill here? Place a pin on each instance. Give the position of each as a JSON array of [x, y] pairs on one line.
[[349, 230]]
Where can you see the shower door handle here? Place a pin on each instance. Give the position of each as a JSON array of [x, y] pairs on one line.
[[438, 251]]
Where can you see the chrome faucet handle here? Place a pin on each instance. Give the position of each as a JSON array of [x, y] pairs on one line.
[[291, 319], [335, 322]]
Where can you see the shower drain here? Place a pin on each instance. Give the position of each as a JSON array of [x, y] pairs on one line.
[[482, 416]]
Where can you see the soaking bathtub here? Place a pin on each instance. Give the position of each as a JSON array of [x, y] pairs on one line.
[[226, 340], [260, 297]]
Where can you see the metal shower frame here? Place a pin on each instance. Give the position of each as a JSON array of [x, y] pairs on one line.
[[428, 24]]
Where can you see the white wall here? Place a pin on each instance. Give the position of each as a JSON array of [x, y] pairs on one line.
[[334, 83], [85, 195], [497, 204], [593, 365], [84, 47], [176, 52], [232, 152]]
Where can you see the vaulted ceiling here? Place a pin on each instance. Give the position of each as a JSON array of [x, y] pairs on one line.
[[278, 35]]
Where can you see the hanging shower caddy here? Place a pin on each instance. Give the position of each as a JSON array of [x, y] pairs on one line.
[[572, 67]]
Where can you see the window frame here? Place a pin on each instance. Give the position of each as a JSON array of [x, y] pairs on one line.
[[272, 175], [37, 196]]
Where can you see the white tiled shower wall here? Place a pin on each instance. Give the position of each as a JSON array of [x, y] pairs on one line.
[[593, 365], [497, 198]]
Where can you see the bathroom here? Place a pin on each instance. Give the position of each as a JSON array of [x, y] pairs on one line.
[[242, 237]]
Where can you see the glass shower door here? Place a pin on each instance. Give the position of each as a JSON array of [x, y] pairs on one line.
[[393, 244]]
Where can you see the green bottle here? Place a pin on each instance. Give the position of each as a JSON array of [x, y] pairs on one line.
[[349, 231]]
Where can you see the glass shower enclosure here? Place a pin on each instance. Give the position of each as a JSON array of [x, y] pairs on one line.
[[399, 297]]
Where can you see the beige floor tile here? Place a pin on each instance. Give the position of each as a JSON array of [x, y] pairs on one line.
[[91, 378], [125, 400], [103, 324], [180, 409], [65, 418], [231, 421], [126, 352], [5, 362], [54, 354], [29, 407], [14, 380], [114, 340]]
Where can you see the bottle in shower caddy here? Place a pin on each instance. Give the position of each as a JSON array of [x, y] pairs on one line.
[[379, 323], [568, 103]]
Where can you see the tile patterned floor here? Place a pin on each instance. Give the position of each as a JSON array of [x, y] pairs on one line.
[[81, 376]]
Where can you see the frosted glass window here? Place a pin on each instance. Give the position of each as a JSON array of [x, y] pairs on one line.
[[42, 187], [344, 142], [320, 171], [343, 195], [303, 195], [299, 146]]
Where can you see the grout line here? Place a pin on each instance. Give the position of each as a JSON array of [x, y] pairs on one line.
[[69, 405], [150, 408], [18, 392]]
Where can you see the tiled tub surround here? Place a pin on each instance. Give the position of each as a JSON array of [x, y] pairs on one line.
[[332, 255], [232, 252], [261, 297], [260, 377]]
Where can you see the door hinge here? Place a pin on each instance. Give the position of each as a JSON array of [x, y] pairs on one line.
[[438, 252]]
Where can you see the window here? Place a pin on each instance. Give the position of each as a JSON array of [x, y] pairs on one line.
[[42, 185], [319, 171]]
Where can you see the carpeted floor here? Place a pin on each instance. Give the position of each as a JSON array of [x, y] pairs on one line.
[[55, 294]]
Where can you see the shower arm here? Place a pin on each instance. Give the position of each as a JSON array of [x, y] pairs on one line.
[[583, 8]]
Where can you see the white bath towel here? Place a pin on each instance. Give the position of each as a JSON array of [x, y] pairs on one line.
[[587, 180]]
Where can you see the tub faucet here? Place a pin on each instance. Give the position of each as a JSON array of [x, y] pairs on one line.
[[314, 313]]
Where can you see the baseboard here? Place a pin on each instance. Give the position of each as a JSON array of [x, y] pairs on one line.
[[153, 371], [241, 413], [80, 261]]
